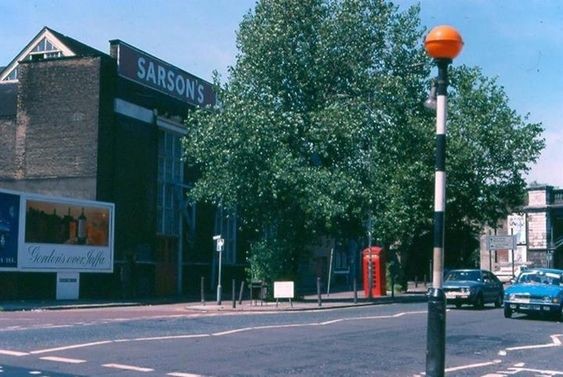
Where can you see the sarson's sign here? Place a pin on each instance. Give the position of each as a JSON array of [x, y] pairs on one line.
[[147, 70], [42, 233]]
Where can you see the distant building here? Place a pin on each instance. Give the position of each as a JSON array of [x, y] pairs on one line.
[[539, 232], [79, 123]]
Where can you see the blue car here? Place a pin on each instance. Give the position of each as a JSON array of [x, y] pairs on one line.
[[472, 287], [536, 291]]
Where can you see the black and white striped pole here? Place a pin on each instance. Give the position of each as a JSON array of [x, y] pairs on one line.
[[443, 43]]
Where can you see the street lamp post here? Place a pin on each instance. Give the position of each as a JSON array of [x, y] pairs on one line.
[[219, 242], [443, 43]]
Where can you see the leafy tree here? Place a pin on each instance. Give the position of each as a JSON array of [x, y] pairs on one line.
[[321, 125], [490, 149]]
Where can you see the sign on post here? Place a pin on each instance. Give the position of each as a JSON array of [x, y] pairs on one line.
[[501, 242], [220, 243]]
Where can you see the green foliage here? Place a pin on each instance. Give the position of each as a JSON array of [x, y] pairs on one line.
[[268, 261], [321, 123], [490, 150], [395, 274]]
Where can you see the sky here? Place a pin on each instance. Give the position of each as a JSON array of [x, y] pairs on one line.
[[520, 43]]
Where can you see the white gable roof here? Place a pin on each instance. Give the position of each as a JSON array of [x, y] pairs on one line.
[[45, 44]]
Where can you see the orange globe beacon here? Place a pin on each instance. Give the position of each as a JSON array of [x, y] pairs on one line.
[[443, 42]]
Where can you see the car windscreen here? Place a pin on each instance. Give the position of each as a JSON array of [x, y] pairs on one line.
[[463, 275], [539, 278]]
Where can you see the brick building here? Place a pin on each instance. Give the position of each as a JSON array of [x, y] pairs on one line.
[[79, 123], [538, 230], [544, 214]]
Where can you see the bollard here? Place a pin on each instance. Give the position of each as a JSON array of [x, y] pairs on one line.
[[436, 333], [234, 294], [355, 292], [319, 300], [416, 281], [241, 292], [425, 282], [202, 290]]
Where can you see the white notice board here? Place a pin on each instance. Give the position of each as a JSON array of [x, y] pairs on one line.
[[283, 289]]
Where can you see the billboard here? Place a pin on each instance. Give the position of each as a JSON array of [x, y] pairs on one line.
[[9, 229], [44, 233]]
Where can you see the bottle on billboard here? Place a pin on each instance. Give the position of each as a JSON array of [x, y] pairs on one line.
[[82, 234], [72, 227]]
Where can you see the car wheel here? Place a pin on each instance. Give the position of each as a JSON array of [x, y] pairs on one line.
[[498, 301], [479, 303], [507, 312]]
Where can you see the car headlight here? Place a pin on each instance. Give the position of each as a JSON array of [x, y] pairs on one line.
[[551, 300]]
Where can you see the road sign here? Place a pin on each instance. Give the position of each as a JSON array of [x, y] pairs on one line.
[[501, 242], [220, 243]]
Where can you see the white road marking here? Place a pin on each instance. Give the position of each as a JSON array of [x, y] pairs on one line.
[[555, 342], [13, 353], [170, 337], [62, 360], [543, 372], [56, 326], [470, 366], [71, 347], [128, 367], [179, 374], [233, 331]]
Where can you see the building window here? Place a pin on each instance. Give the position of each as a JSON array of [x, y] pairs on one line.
[[44, 45], [169, 190], [42, 50], [13, 75]]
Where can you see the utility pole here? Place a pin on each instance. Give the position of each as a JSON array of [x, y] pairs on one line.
[[443, 43]]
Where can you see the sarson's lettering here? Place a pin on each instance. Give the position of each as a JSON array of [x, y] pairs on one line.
[[169, 80]]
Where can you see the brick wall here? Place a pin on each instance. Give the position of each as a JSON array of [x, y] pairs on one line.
[[537, 230], [537, 198], [56, 137], [7, 147]]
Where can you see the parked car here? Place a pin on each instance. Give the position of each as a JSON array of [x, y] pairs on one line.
[[473, 287], [536, 291]]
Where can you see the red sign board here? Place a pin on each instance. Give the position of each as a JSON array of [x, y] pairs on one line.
[[147, 70]]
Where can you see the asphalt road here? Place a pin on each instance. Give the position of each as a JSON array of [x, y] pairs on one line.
[[380, 341]]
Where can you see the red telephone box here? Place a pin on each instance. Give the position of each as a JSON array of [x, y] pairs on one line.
[[375, 256]]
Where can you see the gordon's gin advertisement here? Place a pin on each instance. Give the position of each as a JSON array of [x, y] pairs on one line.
[[42, 233]]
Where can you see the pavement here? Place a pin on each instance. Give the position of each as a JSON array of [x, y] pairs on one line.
[[341, 299]]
